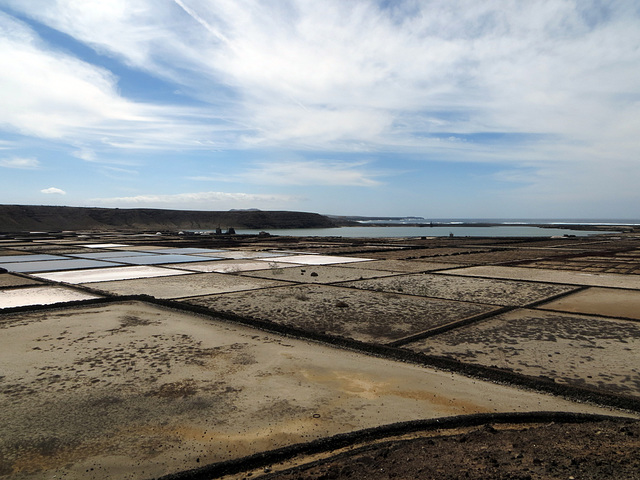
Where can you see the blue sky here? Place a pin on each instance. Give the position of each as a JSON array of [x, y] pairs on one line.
[[492, 109]]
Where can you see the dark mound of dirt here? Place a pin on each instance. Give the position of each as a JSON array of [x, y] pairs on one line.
[[21, 218], [594, 450]]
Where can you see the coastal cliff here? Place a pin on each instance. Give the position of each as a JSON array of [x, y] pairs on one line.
[[21, 218]]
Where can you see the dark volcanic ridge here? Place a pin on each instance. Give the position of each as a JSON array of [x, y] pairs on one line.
[[21, 218]]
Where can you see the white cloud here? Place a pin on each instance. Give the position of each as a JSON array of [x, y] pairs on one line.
[[325, 172], [85, 154], [420, 77], [50, 94], [201, 200], [20, 163], [53, 191]]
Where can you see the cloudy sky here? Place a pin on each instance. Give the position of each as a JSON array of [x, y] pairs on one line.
[[451, 108]]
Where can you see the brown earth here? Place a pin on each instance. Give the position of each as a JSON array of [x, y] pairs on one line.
[[194, 390], [591, 451]]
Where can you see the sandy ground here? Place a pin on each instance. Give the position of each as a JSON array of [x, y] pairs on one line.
[[183, 285], [344, 312], [319, 273], [624, 262], [234, 266], [490, 291], [317, 259], [8, 280], [131, 390], [403, 266], [571, 349], [552, 276], [600, 301]]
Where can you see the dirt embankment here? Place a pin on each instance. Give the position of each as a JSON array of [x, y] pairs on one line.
[[20, 218], [595, 451]]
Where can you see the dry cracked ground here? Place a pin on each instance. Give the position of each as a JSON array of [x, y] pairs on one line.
[[185, 357]]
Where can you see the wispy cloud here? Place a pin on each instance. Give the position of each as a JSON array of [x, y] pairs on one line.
[[200, 200], [50, 94], [20, 162], [350, 75], [555, 81], [118, 173], [317, 172], [53, 191], [85, 154]]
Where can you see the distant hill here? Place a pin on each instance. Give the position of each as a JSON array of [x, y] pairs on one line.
[[23, 218]]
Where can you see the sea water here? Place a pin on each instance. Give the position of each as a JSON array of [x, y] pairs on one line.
[[426, 231]]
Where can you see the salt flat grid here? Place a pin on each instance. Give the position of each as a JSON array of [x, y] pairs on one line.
[[128, 272], [292, 252], [40, 295], [568, 277], [106, 255], [233, 266], [29, 258], [160, 259], [55, 265], [11, 280], [390, 310], [242, 254], [104, 245], [182, 251], [271, 391], [316, 259], [195, 284]]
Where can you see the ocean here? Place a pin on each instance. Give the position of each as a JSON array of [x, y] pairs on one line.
[[459, 227], [437, 231]]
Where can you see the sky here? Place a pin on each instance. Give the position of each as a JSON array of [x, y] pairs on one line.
[[433, 108]]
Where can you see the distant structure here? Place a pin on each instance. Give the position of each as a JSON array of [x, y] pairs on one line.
[[230, 231]]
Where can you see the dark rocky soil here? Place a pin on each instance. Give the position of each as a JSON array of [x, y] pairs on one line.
[[591, 451]]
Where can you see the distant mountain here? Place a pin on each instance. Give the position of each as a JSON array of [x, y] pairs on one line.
[[23, 218]]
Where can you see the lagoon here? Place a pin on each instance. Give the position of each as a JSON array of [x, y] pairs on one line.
[[426, 231]]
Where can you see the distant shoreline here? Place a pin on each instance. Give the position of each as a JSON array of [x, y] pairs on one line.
[[40, 218], [568, 226]]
